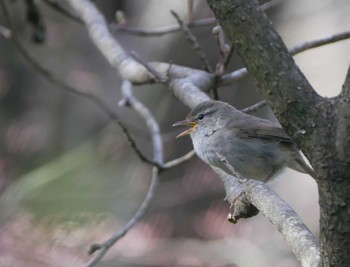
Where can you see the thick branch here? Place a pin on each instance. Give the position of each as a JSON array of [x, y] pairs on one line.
[[188, 81], [303, 244], [268, 61], [184, 82], [301, 241]]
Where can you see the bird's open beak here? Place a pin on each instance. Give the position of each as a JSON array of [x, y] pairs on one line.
[[192, 124]]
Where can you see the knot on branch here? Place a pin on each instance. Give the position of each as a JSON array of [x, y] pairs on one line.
[[241, 208], [93, 248]]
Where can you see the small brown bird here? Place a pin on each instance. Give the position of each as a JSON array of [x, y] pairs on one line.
[[255, 147]]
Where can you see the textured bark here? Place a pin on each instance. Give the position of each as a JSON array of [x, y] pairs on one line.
[[320, 126]]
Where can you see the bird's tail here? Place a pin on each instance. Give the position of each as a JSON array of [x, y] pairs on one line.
[[300, 165]]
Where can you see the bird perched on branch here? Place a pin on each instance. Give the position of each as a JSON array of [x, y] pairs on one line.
[[255, 147]]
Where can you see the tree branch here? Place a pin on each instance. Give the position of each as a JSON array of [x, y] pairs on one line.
[[163, 30], [112, 115], [184, 83], [320, 42], [147, 116], [175, 28], [178, 161], [193, 40], [101, 249], [241, 73], [267, 59], [184, 80], [254, 107], [301, 241]]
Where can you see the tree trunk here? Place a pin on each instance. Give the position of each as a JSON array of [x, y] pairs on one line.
[[319, 126]]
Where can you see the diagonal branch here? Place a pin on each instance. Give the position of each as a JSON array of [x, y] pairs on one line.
[[300, 239], [99, 250], [193, 40], [185, 83], [93, 98], [241, 73]]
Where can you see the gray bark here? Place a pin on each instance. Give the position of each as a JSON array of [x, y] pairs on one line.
[[320, 126]]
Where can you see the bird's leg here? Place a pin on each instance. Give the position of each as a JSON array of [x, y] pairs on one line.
[[270, 175]]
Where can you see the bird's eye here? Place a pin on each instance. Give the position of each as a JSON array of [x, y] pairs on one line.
[[200, 116]]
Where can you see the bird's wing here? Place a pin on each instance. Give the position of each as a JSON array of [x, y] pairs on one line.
[[260, 129], [270, 133]]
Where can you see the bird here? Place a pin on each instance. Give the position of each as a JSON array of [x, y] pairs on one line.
[[256, 148]]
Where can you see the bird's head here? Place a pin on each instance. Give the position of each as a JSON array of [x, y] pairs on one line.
[[206, 116]]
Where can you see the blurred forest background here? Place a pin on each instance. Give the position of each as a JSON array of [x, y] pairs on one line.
[[68, 177]]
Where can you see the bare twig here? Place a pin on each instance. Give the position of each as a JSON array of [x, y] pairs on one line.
[[163, 30], [224, 56], [254, 107], [173, 28], [184, 82], [225, 50], [241, 73], [93, 98], [178, 161], [151, 122], [157, 76], [320, 42], [101, 249], [193, 40], [270, 4]]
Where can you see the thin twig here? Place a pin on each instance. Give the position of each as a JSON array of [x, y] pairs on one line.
[[101, 249], [320, 42], [193, 40], [224, 48], [169, 29], [157, 76], [93, 98], [151, 122], [254, 107], [180, 160], [270, 4], [224, 55], [163, 30], [241, 73]]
